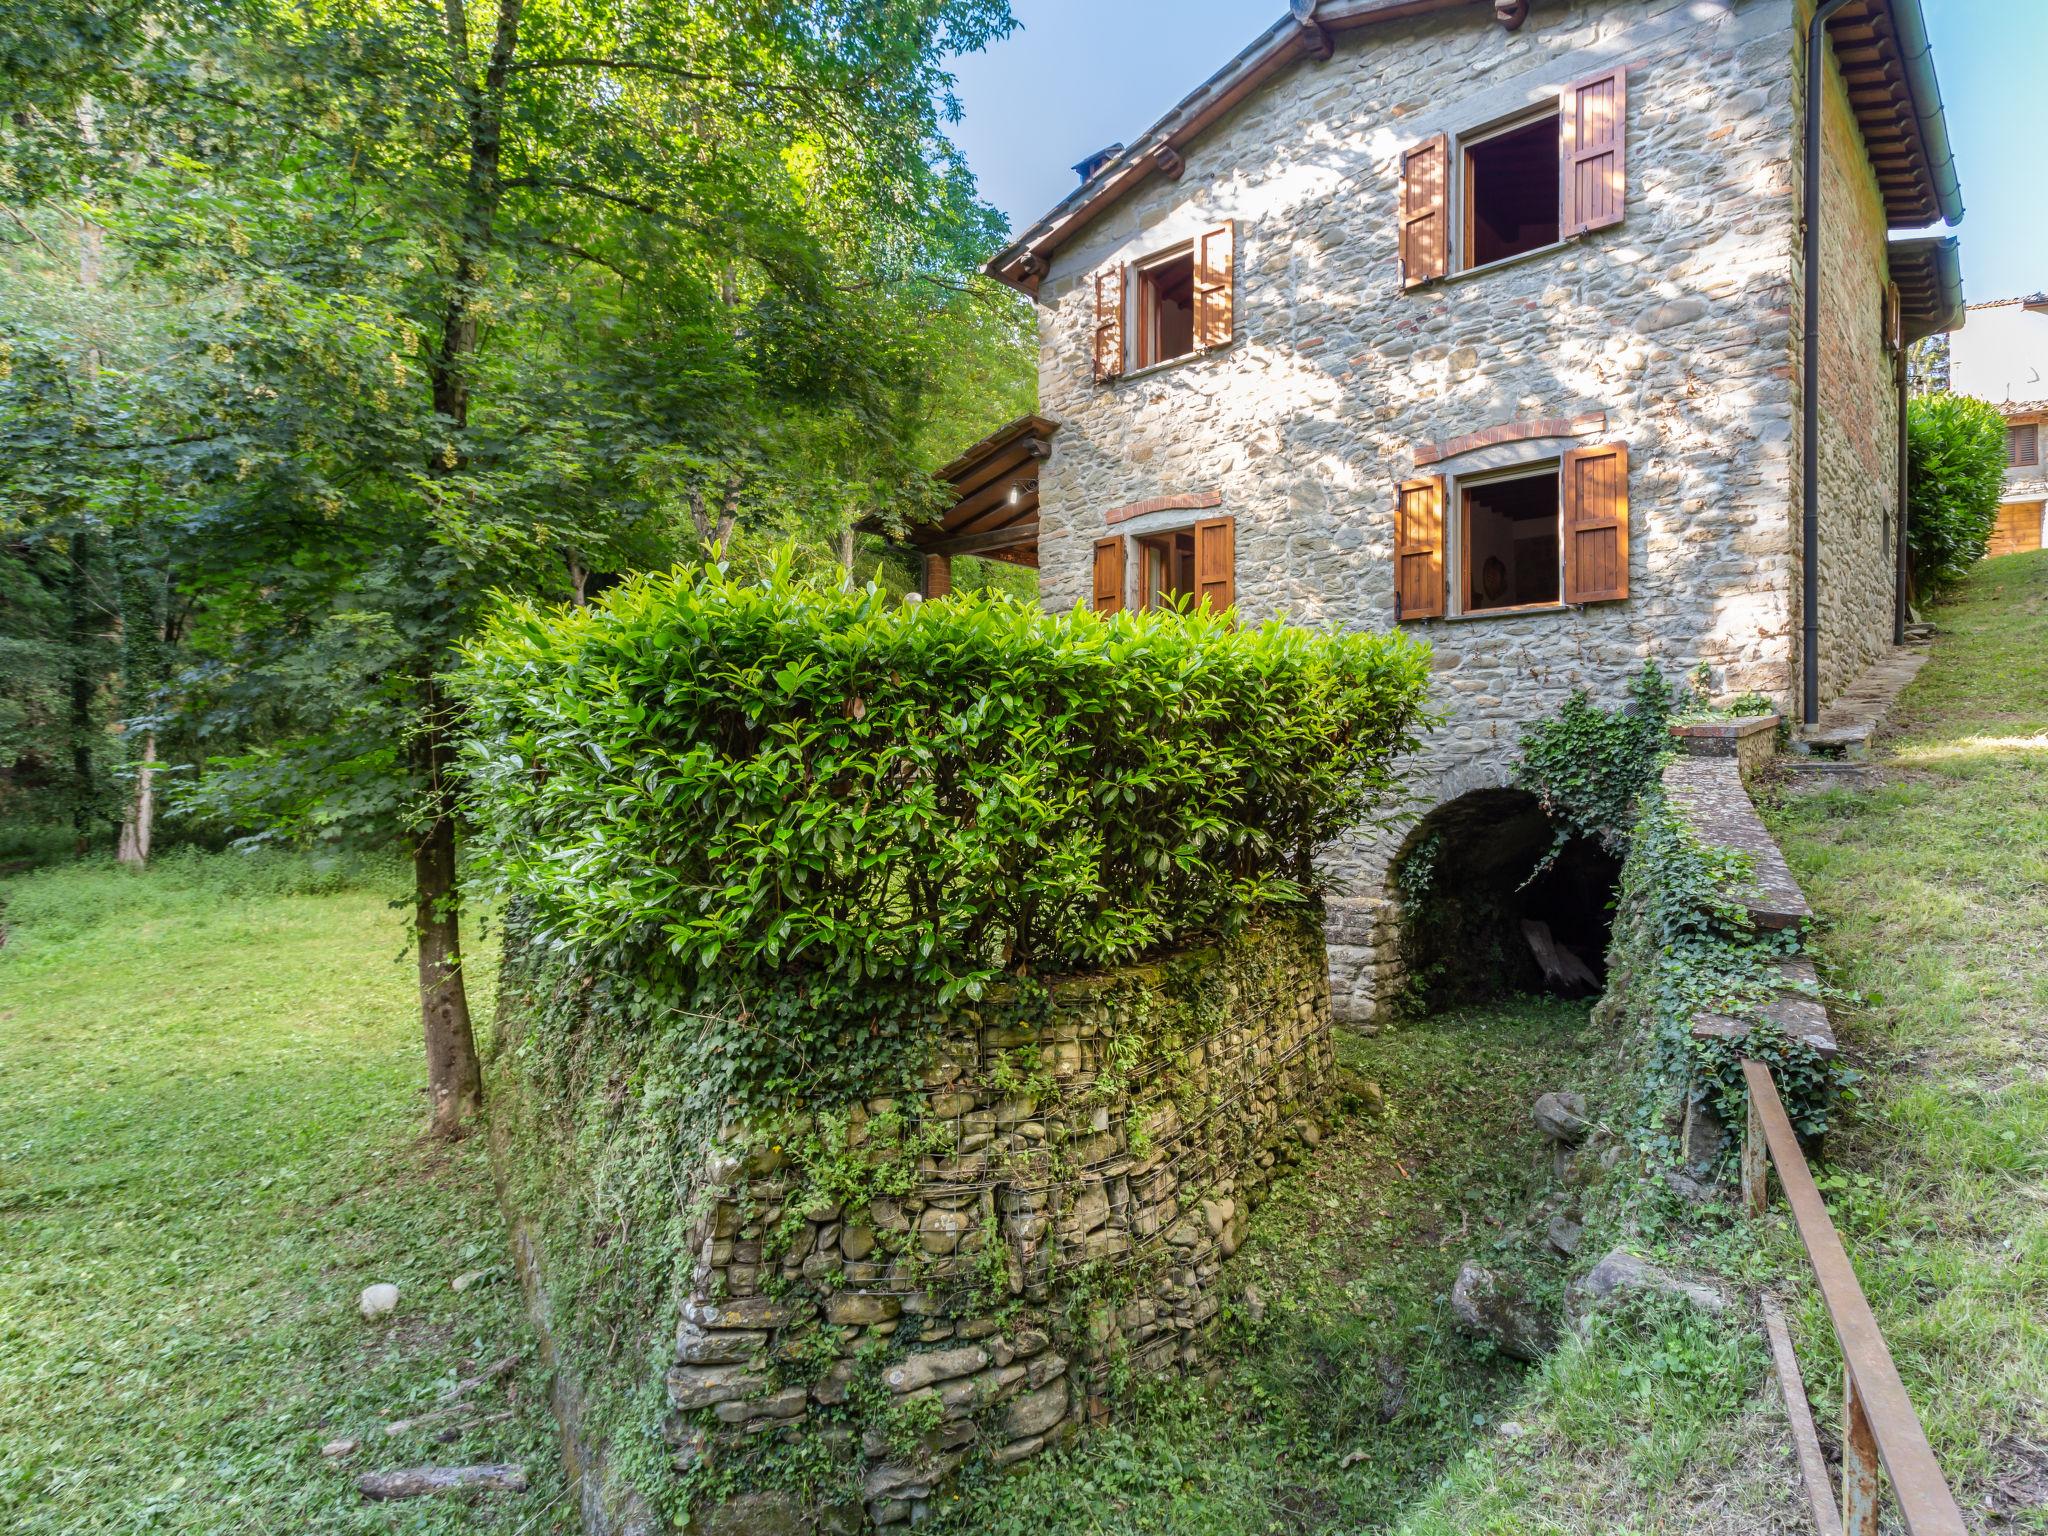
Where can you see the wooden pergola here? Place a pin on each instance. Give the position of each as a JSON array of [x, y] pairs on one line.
[[994, 511]]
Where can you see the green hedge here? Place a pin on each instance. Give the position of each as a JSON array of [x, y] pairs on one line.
[[820, 799], [1955, 474]]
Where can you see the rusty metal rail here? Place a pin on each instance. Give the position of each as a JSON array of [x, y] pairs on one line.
[[1879, 1426]]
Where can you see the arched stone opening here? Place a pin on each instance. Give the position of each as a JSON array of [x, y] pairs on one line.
[[1473, 915]]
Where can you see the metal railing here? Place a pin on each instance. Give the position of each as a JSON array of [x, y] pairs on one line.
[[1879, 1426]]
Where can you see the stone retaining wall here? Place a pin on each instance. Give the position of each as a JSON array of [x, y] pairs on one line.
[[962, 1272]]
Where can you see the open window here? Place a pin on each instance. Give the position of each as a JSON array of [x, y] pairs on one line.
[[1166, 568], [1501, 190], [1166, 307], [1542, 535], [1181, 302], [1190, 567], [1510, 551], [1513, 196]]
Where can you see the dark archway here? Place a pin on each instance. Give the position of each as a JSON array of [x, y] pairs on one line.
[[1462, 886]]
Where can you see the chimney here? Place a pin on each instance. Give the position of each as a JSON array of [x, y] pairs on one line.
[[1089, 165]]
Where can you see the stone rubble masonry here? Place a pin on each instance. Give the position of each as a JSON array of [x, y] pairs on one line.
[[1679, 325], [970, 1280]]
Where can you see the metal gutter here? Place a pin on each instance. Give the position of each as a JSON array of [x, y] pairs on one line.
[[1918, 56]]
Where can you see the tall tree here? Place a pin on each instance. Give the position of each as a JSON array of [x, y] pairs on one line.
[[494, 296]]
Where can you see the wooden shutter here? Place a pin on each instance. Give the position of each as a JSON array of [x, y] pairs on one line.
[[1109, 323], [1425, 211], [1109, 575], [2022, 445], [1596, 523], [1419, 549], [1215, 261], [1592, 146], [1216, 564]]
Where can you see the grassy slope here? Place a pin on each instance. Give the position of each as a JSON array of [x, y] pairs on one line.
[[1933, 887], [208, 1145]]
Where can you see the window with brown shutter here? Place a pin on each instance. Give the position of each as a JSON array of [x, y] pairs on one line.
[[1512, 187], [1595, 513], [1108, 595], [1419, 549], [1109, 323], [1425, 211], [1215, 261], [1187, 567], [2022, 445], [1216, 564], [1592, 148]]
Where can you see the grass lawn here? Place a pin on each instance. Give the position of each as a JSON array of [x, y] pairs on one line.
[[1933, 889], [209, 1143]]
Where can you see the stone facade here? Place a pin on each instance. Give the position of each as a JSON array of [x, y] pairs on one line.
[[1673, 333], [1060, 1198]]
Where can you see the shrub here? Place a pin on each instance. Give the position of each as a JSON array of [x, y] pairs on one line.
[[819, 800], [1955, 450]]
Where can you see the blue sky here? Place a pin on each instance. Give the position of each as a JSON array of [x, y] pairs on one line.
[[1079, 74]]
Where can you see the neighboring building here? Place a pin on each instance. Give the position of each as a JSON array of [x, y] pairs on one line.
[[1483, 320], [2002, 356]]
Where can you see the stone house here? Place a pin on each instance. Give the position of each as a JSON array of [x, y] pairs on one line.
[[1485, 320], [2002, 356]]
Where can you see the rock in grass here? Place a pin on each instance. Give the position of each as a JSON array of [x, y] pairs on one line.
[[1493, 1306], [1562, 1117], [346, 1446], [1564, 1234], [414, 1482], [377, 1301], [1622, 1274], [475, 1277]]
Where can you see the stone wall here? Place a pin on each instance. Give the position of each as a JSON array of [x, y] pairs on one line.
[[869, 1297], [1858, 443], [1674, 326]]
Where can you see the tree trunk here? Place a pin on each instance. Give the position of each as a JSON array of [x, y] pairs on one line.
[[454, 1080], [846, 549], [137, 825], [82, 683]]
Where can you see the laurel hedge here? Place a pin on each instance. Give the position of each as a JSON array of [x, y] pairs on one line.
[[824, 796]]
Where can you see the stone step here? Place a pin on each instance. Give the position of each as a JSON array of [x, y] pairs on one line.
[[1846, 726]]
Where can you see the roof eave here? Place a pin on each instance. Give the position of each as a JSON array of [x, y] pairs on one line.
[[1290, 40]]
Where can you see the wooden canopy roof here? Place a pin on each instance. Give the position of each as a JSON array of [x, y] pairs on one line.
[[1929, 272], [995, 497]]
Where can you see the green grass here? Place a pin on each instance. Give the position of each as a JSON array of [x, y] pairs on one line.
[[209, 1143], [1933, 889], [1343, 1401]]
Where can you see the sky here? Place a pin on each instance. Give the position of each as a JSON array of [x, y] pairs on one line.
[[1081, 74]]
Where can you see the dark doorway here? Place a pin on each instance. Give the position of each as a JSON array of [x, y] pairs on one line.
[[1464, 889]]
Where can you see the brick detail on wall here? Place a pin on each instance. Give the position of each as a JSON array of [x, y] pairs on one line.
[[1186, 500], [1586, 425]]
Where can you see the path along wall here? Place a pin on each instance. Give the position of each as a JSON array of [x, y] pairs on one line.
[[849, 1305]]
